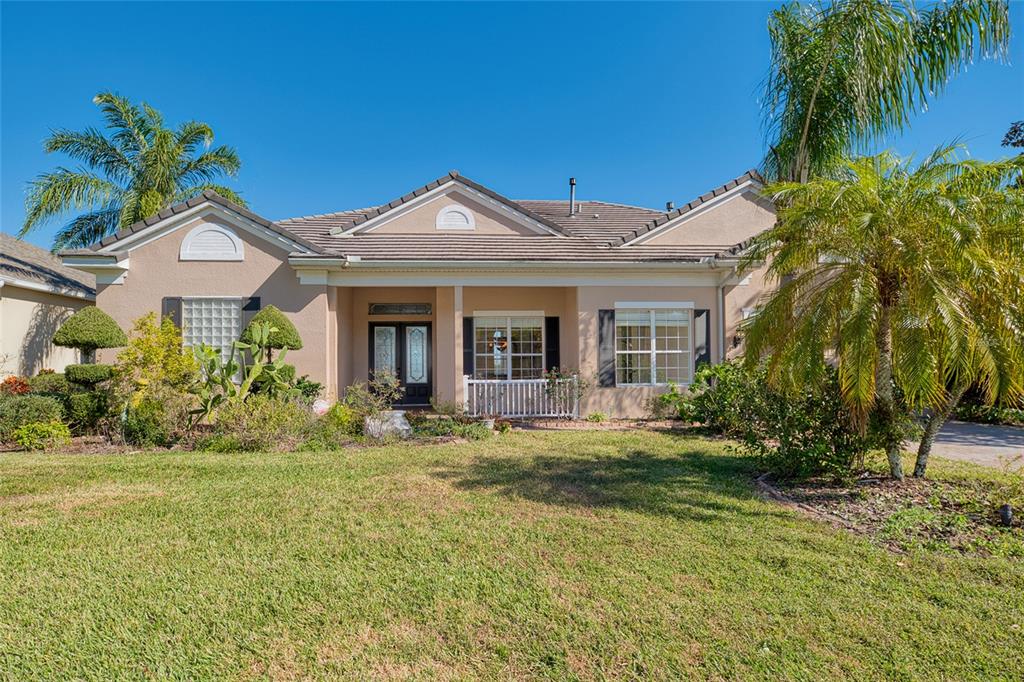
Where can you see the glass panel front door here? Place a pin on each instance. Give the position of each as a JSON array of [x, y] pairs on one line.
[[404, 349]]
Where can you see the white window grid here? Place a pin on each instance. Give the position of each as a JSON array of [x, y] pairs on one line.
[[653, 347], [523, 355]]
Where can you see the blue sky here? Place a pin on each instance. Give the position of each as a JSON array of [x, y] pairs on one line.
[[335, 106]]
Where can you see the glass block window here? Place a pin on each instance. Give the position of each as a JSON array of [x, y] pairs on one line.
[[652, 347], [217, 322], [508, 347]]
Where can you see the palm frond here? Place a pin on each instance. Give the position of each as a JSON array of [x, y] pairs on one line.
[[64, 190]]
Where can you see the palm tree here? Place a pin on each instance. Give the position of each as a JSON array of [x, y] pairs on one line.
[[905, 277], [142, 168], [845, 74]]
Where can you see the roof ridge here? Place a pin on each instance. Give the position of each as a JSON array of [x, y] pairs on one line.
[[326, 215], [452, 175], [597, 201]]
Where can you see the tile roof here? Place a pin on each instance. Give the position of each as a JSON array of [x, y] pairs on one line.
[[591, 234], [499, 248], [23, 261], [750, 175], [210, 196]]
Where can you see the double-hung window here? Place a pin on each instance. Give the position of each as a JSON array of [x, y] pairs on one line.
[[653, 346], [216, 322], [508, 347]]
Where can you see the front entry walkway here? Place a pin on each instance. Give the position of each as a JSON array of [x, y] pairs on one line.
[[984, 444]]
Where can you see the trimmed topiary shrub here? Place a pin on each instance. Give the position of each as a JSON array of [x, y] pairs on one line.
[[18, 410], [50, 383], [285, 336], [88, 329], [88, 375], [86, 410]]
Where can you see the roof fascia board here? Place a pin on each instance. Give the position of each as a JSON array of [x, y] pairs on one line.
[[444, 190], [708, 206]]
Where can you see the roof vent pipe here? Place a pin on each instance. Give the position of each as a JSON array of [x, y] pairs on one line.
[[670, 206], [572, 196]]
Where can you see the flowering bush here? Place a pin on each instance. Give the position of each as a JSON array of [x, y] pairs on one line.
[[15, 385]]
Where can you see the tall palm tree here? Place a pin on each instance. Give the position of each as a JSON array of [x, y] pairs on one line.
[[140, 169], [904, 276], [846, 73]]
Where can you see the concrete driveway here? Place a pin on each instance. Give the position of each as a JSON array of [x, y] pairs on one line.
[[979, 443]]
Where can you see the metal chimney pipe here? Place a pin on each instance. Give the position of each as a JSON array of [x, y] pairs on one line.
[[572, 196], [670, 206]]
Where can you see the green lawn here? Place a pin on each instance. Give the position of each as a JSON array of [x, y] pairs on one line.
[[585, 555]]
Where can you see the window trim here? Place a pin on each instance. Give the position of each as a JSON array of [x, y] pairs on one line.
[[652, 311], [509, 316]]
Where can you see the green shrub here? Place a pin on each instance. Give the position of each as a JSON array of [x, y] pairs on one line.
[[42, 435], [86, 410], [796, 434], [88, 375], [18, 410], [307, 388], [259, 423], [50, 383], [339, 425], [161, 418], [597, 417], [88, 329], [285, 335], [427, 426], [367, 400]]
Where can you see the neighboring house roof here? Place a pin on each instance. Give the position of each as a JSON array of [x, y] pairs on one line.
[[594, 233], [23, 264]]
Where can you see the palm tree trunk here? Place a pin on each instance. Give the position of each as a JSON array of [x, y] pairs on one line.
[[931, 430], [885, 407]]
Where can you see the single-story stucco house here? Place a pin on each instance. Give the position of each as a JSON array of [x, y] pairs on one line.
[[467, 295], [37, 293]]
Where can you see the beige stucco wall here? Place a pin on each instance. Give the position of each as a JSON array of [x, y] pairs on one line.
[[422, 220], [628, 401], [732, 222], [28, 321], [156, 271], [738, 297]]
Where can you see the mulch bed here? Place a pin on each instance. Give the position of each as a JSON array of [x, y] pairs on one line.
[[949, 516]]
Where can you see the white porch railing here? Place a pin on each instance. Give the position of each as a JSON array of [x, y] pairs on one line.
[[521, 398]]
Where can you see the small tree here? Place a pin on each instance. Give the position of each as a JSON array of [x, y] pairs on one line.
[[283, 333], [88, 329]]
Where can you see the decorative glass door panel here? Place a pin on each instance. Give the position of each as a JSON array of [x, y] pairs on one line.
[[385, 347], [416, 354], [404, 349]]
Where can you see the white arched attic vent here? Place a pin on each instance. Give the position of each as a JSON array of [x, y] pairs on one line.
[[211, 242], [455, 217]]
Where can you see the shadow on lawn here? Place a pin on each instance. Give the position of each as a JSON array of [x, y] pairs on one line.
[[689, 485]]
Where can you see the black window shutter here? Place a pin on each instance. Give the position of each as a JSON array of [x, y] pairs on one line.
[[467, 345], [606, 348], [552, 347], [250, 306], [701, 337], [170, 307]]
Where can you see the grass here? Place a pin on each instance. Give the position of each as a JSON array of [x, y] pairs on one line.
[[587, 555]]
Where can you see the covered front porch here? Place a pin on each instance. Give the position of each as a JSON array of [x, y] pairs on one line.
[[489, 348]]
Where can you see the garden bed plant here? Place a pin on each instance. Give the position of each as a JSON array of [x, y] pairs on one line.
[[960, 509]]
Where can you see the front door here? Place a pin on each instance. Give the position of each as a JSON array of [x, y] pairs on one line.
[[403, 348]]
